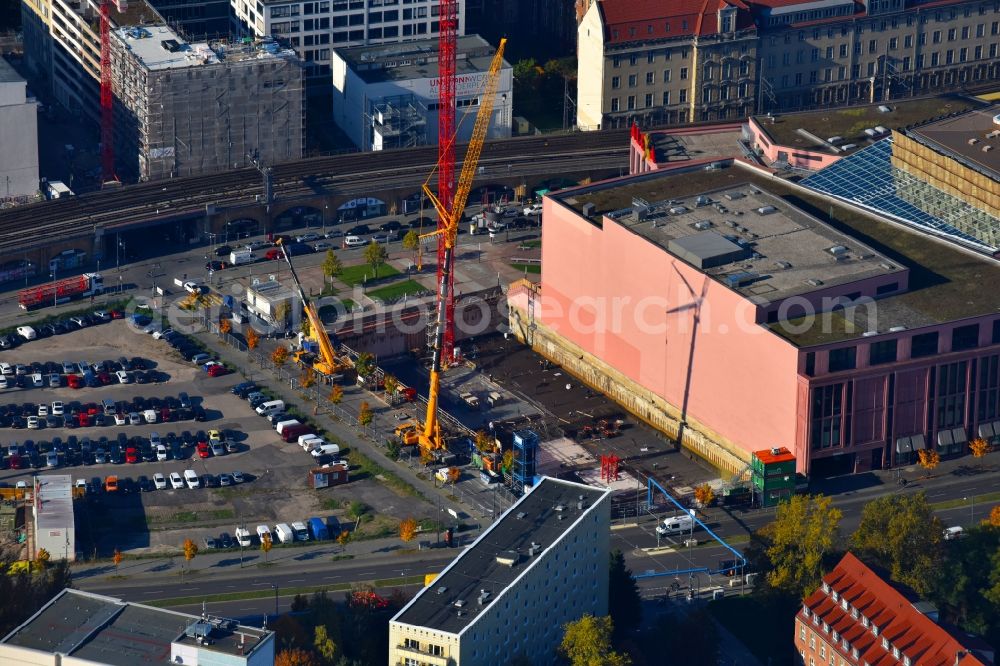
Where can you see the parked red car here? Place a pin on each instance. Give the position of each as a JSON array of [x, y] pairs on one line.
[[131, 455], [217, 371], [84, 420], [117, 314], [203, 450], [74, 381]]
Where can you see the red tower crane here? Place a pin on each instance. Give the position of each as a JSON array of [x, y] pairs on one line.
[[107, 95], [447, 40]]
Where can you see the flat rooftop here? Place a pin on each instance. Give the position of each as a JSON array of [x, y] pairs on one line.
[[158, 47], [533, 519], [8, 74], [749, 239], [851, 122], [417, 59], [964, 137], [56, 495], [111, 631], [945, 283]]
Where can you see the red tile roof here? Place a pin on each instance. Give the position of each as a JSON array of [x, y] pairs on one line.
[[648, 19], [916, 636]]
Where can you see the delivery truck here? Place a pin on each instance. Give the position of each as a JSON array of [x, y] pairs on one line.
[[61, 291]]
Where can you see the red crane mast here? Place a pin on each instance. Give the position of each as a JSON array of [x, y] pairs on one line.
[[447, 40], [107, 96]]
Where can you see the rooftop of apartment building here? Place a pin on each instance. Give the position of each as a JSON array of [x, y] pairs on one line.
[[848, 124], [499, 556], [106, 630], [972, 138], [750, 240], [945, 283], [159, 47], [417, 59], [881, 622], [647, 20], [8, 74], [137, 12]]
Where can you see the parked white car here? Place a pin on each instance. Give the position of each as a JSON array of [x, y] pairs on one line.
[[533, 209], [123, 377], [159, 481], [191, 478], [176, 482]]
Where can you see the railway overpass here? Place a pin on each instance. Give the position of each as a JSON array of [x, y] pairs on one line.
[[191, 211]]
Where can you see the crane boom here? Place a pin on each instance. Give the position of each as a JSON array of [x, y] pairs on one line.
[[330, 364], [430, 438]]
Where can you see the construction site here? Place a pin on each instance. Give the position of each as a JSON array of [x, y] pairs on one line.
[[190, 109]]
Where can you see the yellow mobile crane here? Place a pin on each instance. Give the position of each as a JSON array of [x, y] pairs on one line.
[[429, 435], [328, 363]]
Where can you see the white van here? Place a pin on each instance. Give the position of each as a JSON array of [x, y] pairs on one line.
[[280, 427], [675, 525], [243, 536], [301, 531], [149, 415], [191, 479], [325, 450], [284, 532], [27, 332], [354, 241], [270, 407], [309, 440], [37, 380], [262, 531]]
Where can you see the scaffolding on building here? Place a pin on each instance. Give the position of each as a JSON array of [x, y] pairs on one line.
[[400, 121]]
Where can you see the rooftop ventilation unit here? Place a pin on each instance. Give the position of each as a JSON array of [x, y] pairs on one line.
[[520, 515], [814, 282], [703, 225], [897, 329], [460, 603], [589, 209], [766, 210], [702, 200], [508, 558], [835, 139], [677, 210], [784, 265], [837, 250], [560, 508], [442, 589], [881, 130], [534, 548], [848, 146], [483, 597], [996, 119], [987, 148], [973, 141], [868, 334], [731, 224], [887, 266], [733, 196]]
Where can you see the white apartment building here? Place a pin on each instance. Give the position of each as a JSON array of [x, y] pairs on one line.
[[18, 136], [542, 564], [314, 27], [387, 96]]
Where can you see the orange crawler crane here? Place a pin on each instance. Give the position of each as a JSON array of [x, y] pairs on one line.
[[428, 436]]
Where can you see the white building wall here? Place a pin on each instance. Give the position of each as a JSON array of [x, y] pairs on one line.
[[352, 98], [331, 24], [590, 65], [569, 580], [18, 136]]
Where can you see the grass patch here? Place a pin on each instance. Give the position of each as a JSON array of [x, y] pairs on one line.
[[355, 275], [397, 290], [762, 625], [535, 269], [342, 556], [329, 504], [985, 498], [184, 517], [531, 243], [223, 514], [363, 463]]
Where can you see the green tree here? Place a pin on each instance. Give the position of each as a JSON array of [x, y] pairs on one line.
[[365, 364], [967, 589], [357, 511], [624, 602], [526, 71], [324, 645], [797, 543], [902, 534], [484, 442], [391, 385], [281, 312], [411, 242], [393, 447], [332, 266], [587, 642], [375, 256]]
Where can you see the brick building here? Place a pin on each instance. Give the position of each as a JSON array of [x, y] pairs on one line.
[[717, 60], [856, 617]]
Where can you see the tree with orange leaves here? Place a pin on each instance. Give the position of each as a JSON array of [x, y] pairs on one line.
[[252, 338], [407, 529], [295, 657]]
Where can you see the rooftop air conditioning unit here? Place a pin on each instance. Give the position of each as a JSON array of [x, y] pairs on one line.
[[837, 249], [868, 334], [973, 141]]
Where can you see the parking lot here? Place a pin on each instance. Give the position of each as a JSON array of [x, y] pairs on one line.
[[274, 488]]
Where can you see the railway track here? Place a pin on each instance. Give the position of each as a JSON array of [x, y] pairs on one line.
[[44, 222]]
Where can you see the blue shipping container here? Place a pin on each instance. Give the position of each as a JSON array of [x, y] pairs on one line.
[[317, 528]]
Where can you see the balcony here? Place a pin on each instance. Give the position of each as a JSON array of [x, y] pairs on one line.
[[422, 656]]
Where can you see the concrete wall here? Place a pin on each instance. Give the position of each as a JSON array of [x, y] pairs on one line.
[[18, 137], [796, 157], [12, 655], [590, 58]]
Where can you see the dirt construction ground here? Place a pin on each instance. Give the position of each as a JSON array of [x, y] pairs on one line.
[[276, 488]]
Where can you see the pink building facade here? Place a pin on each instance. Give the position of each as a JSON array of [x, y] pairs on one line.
[[870, 402], [772, 152]]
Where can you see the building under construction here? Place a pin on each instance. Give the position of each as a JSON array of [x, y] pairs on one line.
[[187, 109]]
